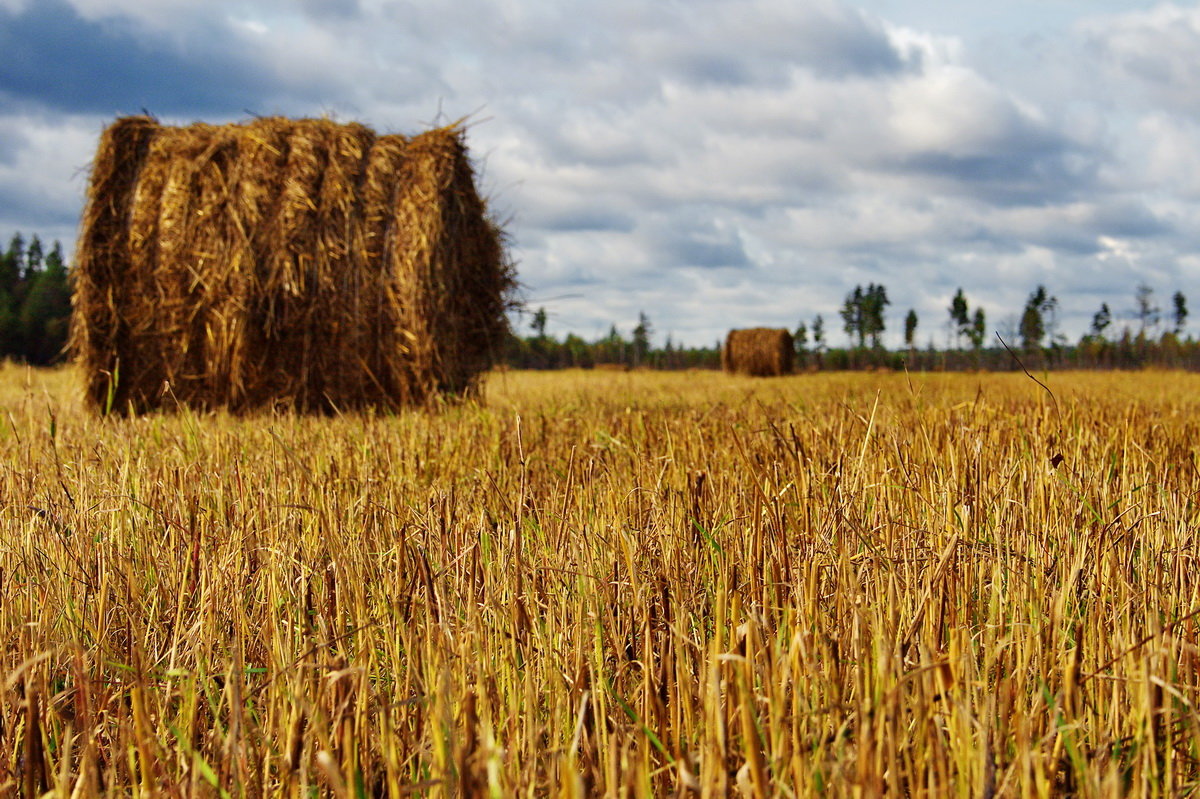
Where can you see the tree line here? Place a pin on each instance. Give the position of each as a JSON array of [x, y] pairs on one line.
[[1033, 338], [35, 310], [613, 350], [35, 302], [1156, 338]]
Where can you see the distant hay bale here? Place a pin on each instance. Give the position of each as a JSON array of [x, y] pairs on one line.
[[758, 352], [284, 263]]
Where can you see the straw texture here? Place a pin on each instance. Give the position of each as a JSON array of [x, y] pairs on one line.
[[284, 263], [758, 352]]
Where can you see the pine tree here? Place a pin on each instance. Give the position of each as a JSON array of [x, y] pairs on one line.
[[910, 328], [33, 258], [641, 339], [1101, 321], [44, 316], [853, 317], [11, 263], [874, 301], [1180, 313], [1147, 312], [539, 323], [978, 329], [1033, 323], [960, 321], [818, 333], [9, 338]]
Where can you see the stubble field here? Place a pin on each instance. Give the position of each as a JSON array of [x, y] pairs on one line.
[[609, 584]]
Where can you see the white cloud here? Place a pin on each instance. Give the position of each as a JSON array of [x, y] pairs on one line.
[[1165, 155], [956, 112], [161, 15], [43, 178], [714, 163], [1151, 55]]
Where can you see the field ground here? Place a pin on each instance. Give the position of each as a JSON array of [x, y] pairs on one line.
[[610, 584]]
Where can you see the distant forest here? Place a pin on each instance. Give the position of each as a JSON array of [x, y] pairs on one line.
[[35, 302], [35, 310], [1150, 337]]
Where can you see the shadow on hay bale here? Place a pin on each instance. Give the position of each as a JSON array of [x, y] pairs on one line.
[[284, 263], [758, 352]]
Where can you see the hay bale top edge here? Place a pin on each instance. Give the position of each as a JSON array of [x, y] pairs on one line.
[[278, 122]]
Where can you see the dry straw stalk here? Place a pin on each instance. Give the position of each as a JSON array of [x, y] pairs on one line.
[[296, 263]]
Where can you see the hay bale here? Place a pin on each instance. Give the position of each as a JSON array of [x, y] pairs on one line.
[[758, 352], [297, 263]]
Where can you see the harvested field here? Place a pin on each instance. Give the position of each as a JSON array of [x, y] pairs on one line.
[[609, 584]]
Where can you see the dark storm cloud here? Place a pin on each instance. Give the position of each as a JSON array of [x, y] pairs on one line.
[[12, 141], [999, 178], [54, 58], [585, 218], [18, 202], [1129, 219], [1065, 240], [1027, 167], [697, 242], [845, 43], [710, 254]]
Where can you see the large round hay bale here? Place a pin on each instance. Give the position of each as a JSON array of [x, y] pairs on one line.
[[758, 352], [297, 263]]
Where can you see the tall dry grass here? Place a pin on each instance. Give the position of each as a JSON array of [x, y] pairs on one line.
[[609, 585]]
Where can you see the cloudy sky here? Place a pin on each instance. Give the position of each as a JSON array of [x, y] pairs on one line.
[[714, 163]]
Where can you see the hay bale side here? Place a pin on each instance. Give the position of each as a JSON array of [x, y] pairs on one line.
[[455, 320], [342, 276], [758, 352], [301, 263], [380, 189], [101, 277], [256, 184]]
